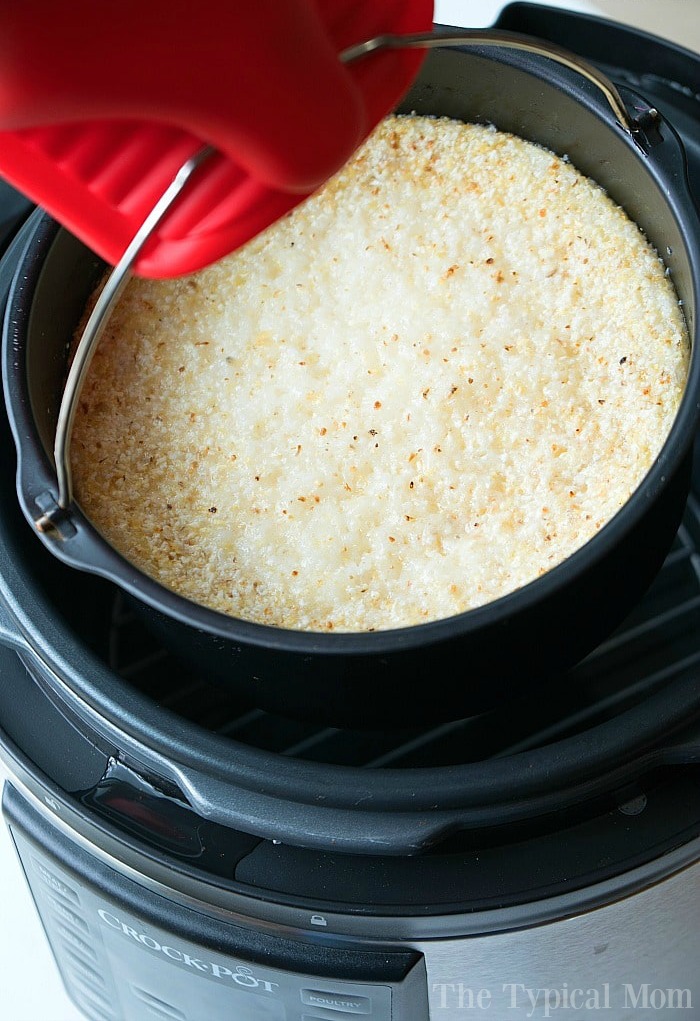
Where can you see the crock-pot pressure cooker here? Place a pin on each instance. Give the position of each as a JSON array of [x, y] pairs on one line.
[[196, 855]]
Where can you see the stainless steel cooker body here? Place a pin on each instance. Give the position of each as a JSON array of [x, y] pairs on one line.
[[128, 937]]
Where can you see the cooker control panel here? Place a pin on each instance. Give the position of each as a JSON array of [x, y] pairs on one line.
[[126, 953]]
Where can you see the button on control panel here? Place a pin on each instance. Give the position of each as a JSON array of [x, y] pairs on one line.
[[344, 1002]]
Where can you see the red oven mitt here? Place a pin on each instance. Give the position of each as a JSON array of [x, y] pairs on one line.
[[100, 104]]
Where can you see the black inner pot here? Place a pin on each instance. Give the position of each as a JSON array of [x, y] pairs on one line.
[[444, 669]]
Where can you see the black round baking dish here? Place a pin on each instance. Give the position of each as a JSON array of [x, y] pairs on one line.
[[447, 668]]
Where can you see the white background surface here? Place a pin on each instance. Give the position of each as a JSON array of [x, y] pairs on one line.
[[30, 989]]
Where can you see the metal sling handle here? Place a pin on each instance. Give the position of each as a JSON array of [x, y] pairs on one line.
[[120, 275], [94, 328], [506, 40]]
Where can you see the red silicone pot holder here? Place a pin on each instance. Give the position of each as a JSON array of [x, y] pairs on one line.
[[103, 104]]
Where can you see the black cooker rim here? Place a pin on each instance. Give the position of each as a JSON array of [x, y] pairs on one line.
[[81, 679]]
